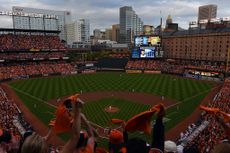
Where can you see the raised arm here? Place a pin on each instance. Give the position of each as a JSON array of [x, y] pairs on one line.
[[158, 135], [91, 139], [87, 123], [71, 144]]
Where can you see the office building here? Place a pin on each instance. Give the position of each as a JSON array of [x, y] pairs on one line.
[[108, 34], [207, 12], [115, 32], [130, 24], [78, 32], [98, 34]]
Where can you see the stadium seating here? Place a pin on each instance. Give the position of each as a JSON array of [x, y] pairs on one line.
[[176, 67], [30, 42], [23, 70], [137, 64], [63, 68], [31, 56], [12, 123]]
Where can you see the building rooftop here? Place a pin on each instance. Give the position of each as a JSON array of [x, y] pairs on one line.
[[196, 31]]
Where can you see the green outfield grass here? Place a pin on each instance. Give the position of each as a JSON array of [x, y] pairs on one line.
[[36, 92]]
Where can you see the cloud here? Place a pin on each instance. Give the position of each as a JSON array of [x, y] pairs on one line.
[[103, 13]]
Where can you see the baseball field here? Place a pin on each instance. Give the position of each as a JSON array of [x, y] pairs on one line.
[[130, 94]]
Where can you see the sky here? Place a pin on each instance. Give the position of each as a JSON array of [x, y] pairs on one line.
[[103, 13]]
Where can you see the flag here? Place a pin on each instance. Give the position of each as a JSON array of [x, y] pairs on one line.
[[209, 109], [64, 116], [140, 122]]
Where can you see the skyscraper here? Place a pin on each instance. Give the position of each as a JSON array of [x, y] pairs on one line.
[[85, 30], [207, 12], [130, 24]]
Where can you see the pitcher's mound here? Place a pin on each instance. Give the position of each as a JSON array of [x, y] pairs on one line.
[[111, 109]]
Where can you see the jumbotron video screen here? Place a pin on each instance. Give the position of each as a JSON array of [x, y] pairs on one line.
[[147, 47]]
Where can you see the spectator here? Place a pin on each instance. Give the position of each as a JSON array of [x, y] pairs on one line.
[[37, 144]]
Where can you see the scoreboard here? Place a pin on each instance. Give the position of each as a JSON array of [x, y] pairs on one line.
[[147, 47]]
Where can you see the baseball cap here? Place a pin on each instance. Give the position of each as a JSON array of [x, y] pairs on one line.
[[115, 137], [170, 146]]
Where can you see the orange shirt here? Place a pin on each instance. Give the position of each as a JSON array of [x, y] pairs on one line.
[[87, 149]]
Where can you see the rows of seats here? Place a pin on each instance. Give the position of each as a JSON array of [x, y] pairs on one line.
[[207, 67], [34, 68], [14, 71], [155, 65], [63, 68], [27, 42], [137, 64], [176, 67], [16, 56]]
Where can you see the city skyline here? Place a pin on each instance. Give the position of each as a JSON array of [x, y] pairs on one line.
[[103, 13]]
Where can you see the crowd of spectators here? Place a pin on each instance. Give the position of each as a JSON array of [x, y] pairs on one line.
[[187, 132], [14, 71], [153, 65], [28, 42], [137, 64], [215, 132], [163, 66], [173, 67], [30, 56], [65, 68], [12, 125], [23, 70]]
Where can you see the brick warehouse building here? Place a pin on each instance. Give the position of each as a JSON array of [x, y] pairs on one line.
[[206, 45]]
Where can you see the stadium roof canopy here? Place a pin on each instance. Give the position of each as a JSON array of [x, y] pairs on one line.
[[29, 30]]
